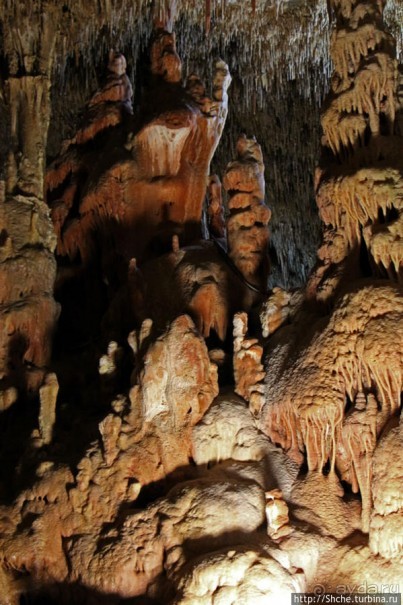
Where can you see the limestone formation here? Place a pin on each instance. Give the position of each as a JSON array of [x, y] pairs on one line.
[[387, 512], [311, 499], [359, 182], [236, 576], [177, 379], [248, 234], [306, 391], [341, 386], [156, 183], [227, 438], [198, 280], [248, 368], [215, 209], [277, 515], [47, 413], [127, 560], [278, 309], [147, 454], [108, 107], [28, 311], [109, 363]]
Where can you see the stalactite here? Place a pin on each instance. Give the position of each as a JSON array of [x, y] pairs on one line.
[[306, 60], [360, 172], [355, 357]]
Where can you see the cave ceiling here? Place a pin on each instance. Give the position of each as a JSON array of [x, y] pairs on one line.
[[278, 55]]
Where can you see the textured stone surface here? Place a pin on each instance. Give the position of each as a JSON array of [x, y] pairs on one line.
[[355, 350], [236, 576], [359, 181], [177, 378], [387, 512], [248, 234], [145, 475], [155, 181], [248, 367]]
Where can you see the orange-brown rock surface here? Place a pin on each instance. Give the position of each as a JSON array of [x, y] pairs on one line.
[[88, 529], [215, 209], [146, 437], [162, 460], [387, 511], [359, 181], [209, 283], [248, 368], [155, 183], [334, 380], [28, 312], [248, 234]]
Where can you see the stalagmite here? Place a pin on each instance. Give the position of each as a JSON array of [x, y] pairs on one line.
[[165, 61], [248, 234], [109, 363], [110, 429], [276, 515], [110, 369], [248, 368], [107, 107], [275, 311], [129, 194], [47, 413], [189, 388]]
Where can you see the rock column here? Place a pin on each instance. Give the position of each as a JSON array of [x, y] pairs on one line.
[[359, 180], [28, 312], [247, 225]]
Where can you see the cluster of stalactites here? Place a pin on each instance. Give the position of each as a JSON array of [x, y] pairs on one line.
[[247, 224], [364, 81], [356, 358], [359, 183]]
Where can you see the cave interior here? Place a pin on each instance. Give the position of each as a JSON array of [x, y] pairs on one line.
[[201, 268]]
